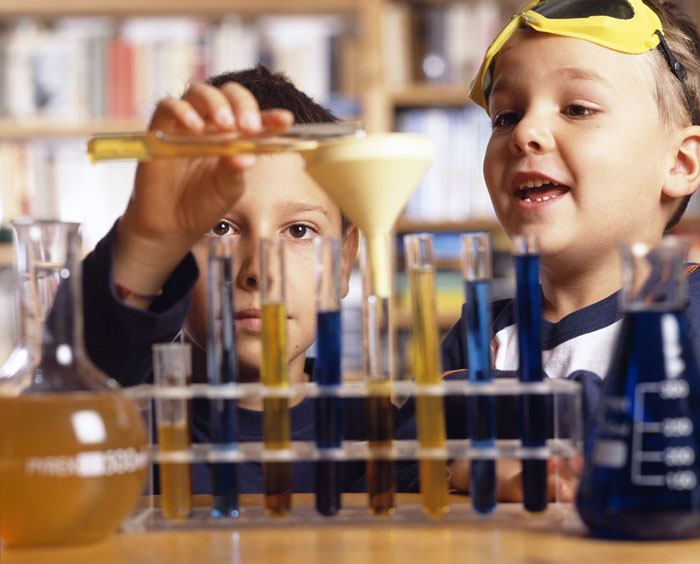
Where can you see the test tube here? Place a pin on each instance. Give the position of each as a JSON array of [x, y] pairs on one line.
[[377, 347], [327, 373], [430, 410], [222, 372], [476, 271], [277, 475], [533, 418], [172, 367]]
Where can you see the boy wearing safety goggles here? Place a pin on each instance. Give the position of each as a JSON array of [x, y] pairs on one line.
[[594, 107]]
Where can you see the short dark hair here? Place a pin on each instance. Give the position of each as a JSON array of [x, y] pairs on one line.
[[275, 90]]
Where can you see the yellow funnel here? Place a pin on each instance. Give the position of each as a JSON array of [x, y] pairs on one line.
[[371, 179]]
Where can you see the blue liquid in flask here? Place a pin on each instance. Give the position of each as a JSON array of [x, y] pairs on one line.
[[640, 479], [329, 411]]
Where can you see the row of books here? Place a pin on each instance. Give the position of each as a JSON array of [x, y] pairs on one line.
[[440, 42], [55, 180], [453, 189], [80, 68]]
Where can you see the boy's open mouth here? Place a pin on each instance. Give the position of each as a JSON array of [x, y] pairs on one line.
[[538, 191]]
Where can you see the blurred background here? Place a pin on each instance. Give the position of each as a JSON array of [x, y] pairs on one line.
[[72, 69]]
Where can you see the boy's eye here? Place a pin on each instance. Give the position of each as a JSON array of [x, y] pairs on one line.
[[223, 228], [505, 119], [300, 231], [578, 110]]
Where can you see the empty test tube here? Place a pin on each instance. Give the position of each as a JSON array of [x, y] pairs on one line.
[[425, 345], [222, 370], [327, 372], [533, 417], [172, 367], [376, 351], [476, 271], [277, 475]]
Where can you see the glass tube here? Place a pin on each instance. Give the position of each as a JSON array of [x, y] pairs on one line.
[[533, 407], [327, 371], [378, 362], [277, 475], [222, 371], [172, 367], [477, 274], [425, 345]]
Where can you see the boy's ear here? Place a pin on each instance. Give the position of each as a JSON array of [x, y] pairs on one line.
[[684, 177], [351, 241]]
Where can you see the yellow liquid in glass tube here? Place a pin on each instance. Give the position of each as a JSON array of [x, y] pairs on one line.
[[430, 414], [277, 476], [175, 478]]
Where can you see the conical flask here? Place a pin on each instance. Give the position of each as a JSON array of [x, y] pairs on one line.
[[73, 447], [641, 470]]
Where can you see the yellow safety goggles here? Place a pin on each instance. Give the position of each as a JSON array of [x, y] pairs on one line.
[[628, 26]]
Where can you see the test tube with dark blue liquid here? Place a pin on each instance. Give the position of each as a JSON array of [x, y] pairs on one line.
[[477, 273], [533, 407], [327, 373], [222, 370]]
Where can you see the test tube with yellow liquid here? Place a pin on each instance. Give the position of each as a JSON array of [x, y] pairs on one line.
[[430, 411], [172, 368], [149, 145], [371, 179], [277, 475]]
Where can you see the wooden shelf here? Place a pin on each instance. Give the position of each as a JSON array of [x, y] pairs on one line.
[[6, 257], [51, 8], [35, 128], [426, 94]]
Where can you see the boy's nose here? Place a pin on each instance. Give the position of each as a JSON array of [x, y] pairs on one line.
[[531, 135], [248, 276]]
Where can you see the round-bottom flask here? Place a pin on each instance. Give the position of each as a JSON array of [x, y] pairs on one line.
[[73, 447]]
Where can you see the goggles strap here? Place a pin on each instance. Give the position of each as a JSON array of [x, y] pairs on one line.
[[679, 72]]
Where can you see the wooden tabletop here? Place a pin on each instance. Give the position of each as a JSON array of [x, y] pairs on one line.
[[508, 536]]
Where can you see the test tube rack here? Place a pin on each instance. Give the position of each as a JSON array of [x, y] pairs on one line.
[[565, 442]]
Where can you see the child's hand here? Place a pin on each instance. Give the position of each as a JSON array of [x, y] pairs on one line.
[[176, 201], [562, 479]]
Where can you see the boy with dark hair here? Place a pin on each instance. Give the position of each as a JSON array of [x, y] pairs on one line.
[[142, 284]]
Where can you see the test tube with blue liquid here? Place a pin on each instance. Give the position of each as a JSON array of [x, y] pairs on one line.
[[277, 474], [327, 373], [533, 406], [477, 274], [425, 345], [222, 370]]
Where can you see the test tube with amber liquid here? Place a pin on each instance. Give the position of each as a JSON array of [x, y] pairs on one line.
[[378, 363], [430, 411], [172, 368], [277, 475]]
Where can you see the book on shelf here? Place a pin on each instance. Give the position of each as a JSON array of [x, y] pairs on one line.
[[453, 188], [80, 68], [438, 42]]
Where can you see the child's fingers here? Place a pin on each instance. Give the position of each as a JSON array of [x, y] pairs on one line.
[[171, 113], [212, 105], [245, 107], [277, 119]]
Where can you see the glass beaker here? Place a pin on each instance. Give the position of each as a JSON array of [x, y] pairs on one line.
[[640, 478], [74, 447]]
